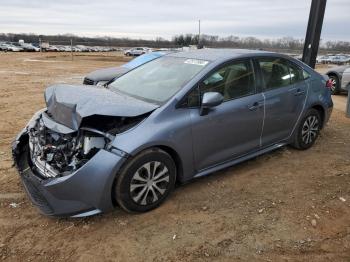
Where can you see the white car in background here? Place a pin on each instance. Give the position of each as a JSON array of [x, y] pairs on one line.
[[333, 59], [325, 59], [340, 59], [29, 47], [10, 47], [340, 79], [136, 51]]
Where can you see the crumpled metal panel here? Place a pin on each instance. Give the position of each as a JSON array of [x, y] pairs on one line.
[[69, 104]]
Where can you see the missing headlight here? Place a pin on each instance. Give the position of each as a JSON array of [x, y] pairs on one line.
[[55, 154], [91, 142]]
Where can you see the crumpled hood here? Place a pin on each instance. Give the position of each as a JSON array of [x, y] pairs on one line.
[[69, 104], [107, 74]]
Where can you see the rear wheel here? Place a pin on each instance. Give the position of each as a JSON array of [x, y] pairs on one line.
[[146, 181], [308, 130], [335, 87]]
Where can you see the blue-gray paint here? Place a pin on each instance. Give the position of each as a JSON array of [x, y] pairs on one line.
[[228, 134]]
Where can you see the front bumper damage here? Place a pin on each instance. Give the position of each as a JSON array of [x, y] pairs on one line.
[[87, 191]]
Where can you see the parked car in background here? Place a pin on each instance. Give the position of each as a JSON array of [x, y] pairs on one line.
[[3, 47], [323, 59], [29, 47], [339, 59], [102, 76], [178, 117], [11, 47], [136, 51], [340, 79]]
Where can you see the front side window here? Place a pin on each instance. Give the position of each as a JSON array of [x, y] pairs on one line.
[[232, 81], [158, 80], [275, 72]]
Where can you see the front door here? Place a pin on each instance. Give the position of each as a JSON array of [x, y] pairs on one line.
[[233, 128]]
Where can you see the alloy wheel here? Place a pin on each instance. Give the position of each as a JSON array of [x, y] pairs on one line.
[[310, 129], [334, 84], [149, 183]]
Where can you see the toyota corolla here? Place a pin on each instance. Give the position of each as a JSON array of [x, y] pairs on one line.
[[179, 117]]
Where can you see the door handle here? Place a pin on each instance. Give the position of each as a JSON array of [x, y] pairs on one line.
[[299, 92], [255, 106]]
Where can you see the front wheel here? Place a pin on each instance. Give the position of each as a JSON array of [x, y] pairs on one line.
[[145, 181], [308, 130]]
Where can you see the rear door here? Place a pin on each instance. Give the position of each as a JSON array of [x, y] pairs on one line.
[[285, 94]]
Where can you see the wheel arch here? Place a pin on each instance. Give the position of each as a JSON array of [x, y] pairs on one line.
[[322, 112], [177, 159], [334, 73], [174, 154], [171, 151]]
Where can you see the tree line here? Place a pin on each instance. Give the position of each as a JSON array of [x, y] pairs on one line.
[[284, 43]]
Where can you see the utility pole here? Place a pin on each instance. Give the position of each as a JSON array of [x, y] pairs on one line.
[[313, 34], [199, 46], [199, 30], [71, 48]]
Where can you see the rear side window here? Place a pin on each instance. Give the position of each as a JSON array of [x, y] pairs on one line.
[[275, 72], [306, 75], [296, 74]]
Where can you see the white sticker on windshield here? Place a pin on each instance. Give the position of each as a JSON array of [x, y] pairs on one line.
[[196, 62]]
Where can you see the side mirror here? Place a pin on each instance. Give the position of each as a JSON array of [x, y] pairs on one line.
[[210, 100]]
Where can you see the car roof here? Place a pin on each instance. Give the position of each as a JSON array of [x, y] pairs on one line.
[[217, 54]]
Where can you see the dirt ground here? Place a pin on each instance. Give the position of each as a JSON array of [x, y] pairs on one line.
[[288, 205]]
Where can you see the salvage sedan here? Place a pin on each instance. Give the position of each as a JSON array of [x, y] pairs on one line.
[[179, 117]]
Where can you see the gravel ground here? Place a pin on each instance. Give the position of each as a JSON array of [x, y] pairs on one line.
[[288, 205]]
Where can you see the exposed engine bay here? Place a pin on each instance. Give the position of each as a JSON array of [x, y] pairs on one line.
[[58, 154], [77, 123], [54, 153]]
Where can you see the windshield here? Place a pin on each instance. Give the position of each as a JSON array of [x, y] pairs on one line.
[[158, 80], [143, 59]]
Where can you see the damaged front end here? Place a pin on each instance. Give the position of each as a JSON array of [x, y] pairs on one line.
[[65, 154], [57, 154], [67, 172]]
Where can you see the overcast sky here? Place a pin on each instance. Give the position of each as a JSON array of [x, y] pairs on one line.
[[166, 18]]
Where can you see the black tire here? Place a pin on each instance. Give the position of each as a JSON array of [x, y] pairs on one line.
[[306, 136], [335, 88], [136, 168]]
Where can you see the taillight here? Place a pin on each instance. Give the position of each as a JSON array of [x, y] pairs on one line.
[[329, 83]]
